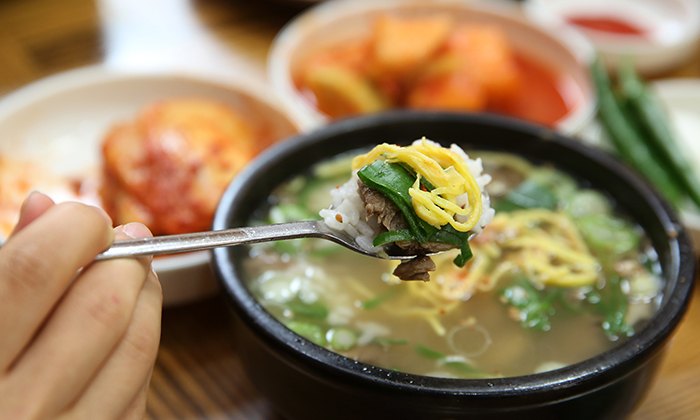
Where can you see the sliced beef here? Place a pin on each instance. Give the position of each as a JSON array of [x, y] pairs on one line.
[[376, 204], [390, 216], [413, 247], [415, 269]]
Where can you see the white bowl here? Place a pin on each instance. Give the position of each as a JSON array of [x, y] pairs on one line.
[[671, 28], [681, 98], [60, 122], [334, 21]]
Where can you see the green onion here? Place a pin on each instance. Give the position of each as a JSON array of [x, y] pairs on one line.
[[534, 306], [379, 299], [614, 307], [311, 332], [388, 341], [315, 310], [284, 213], [466, 370], [588, 202], [465, 255], [336, 168], [607, 234], [341, 338], [428, 353], [463, 367], [528, 195]]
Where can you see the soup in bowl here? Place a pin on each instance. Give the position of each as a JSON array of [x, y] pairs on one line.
[[563, 309]]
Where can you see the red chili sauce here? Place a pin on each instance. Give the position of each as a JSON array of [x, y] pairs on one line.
[[607, 24]]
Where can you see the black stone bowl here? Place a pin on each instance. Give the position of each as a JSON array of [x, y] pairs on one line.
[[305, 381]]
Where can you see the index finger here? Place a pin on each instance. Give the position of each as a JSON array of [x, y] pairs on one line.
[[34, 206], [38, 262]]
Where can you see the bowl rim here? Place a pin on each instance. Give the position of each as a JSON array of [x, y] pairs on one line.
[[307, 117], [585, 376]]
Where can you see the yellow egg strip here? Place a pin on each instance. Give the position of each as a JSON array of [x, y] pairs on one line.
[[554, 248], [374, 154], [443, 169], [548, 248]]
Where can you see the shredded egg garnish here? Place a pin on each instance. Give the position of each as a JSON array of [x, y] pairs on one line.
[[546, 246], [443, 169]]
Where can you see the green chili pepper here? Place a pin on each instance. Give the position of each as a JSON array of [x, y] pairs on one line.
[[627, 139], [651, 116]]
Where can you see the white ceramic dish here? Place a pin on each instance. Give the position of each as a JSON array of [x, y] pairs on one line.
[[682, 100], [59, 122], [671, 28], [335, 21]]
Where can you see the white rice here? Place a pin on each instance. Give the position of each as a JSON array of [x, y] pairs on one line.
[[347, 205], [347, 214]]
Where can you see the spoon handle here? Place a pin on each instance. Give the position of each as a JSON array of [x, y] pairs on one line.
[[171, 244]]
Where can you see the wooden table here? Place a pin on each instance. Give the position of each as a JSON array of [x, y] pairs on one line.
[[198, 374]]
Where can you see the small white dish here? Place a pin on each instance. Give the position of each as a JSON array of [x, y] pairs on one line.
[[333, 22], [681, 98], [658, 34], [59, 123]]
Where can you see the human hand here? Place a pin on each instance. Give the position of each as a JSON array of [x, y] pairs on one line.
[[74, 344]]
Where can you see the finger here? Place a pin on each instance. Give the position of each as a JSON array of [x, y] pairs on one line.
[[34, 206], [137, 408], [123, 376], [38, 262], [81, 333]]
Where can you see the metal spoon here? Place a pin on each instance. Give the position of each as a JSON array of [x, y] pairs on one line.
[[172, 244]]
